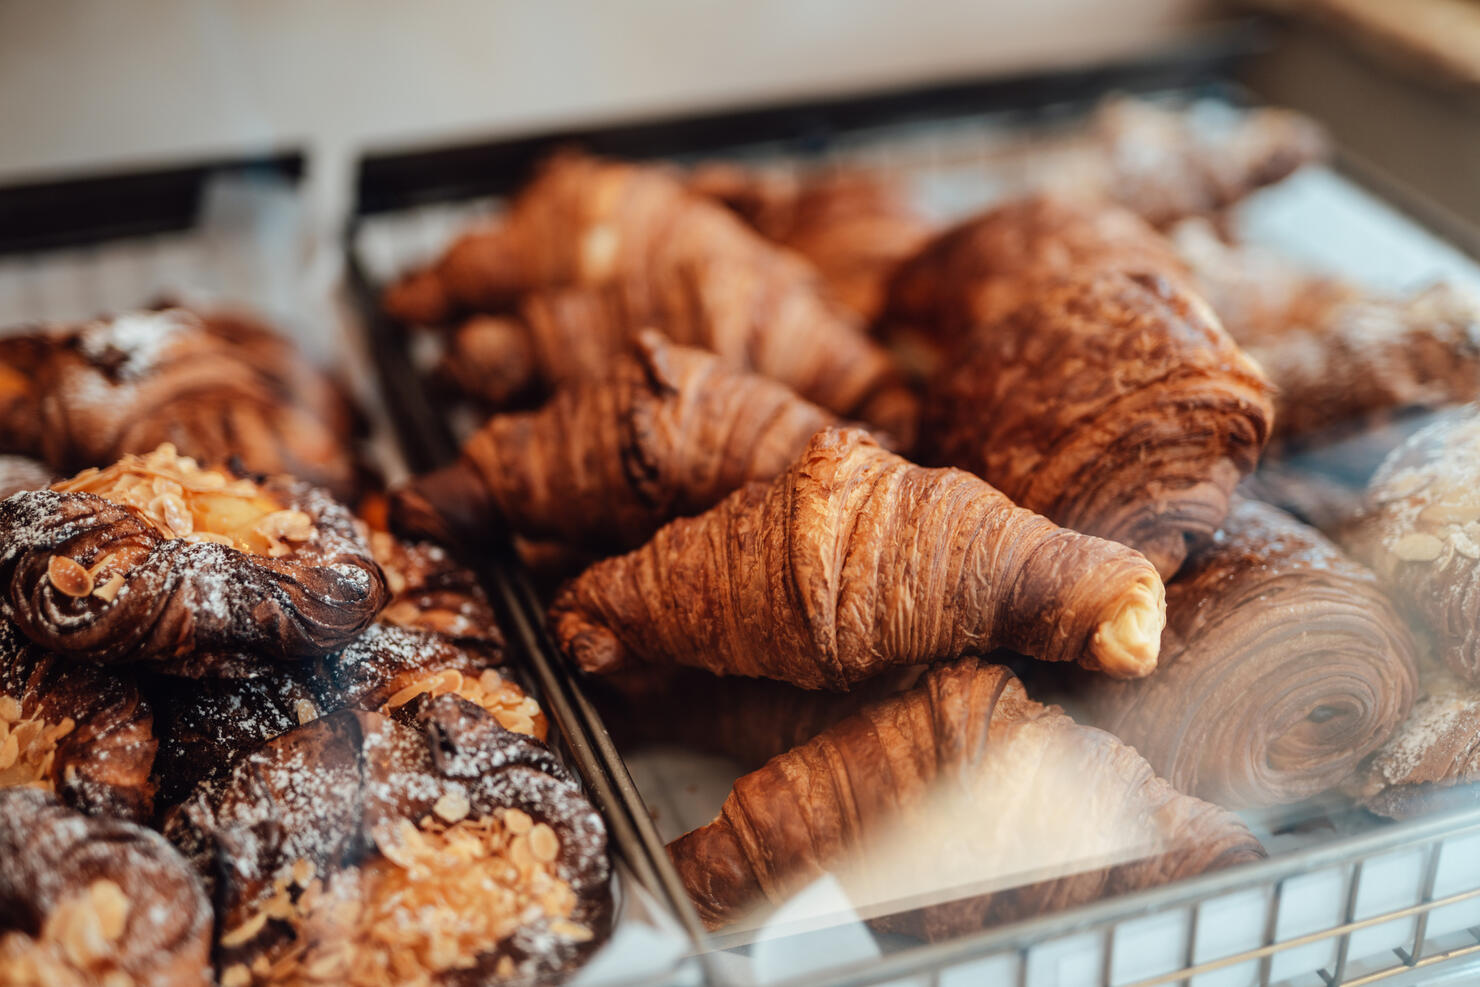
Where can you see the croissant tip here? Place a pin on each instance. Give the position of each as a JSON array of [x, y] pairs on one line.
[[1127, 642]]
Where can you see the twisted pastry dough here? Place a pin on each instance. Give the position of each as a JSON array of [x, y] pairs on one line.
[[107, 580], [668, 432], [1283, 665], [963, 781], [1113, 404], [60, 872], [854, 561], [1421, 535]]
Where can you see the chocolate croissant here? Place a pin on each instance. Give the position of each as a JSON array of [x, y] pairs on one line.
[[981, 269], [961, 782], [368, 849], [1283, 665], [855, 225], [216, 389], [854, 561], [74, 730], [431, 592], [95, 901], [1421, 534], [668, 432], [1113, 404], [156, 557], [609, 249]]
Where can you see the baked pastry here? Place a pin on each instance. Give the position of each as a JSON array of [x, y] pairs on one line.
[[1113, 404], [596, 251], [368, 849], [74, 730], [95, 901], [1432, 762], [963, 781], [976, 272], [215, 389], [155, 557], [1282, 666], [431, 592], [855, 561], [1421, 534], [668, 432], [19, 473], [855, 225], [1167, 163]]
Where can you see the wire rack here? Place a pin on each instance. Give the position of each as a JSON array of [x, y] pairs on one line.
[[1396, 903]]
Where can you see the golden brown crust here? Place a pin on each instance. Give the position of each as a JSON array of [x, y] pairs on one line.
[[78, 731], [158, 597], [668, 432], [50, 855], [1421, 534], [1113, 404], [962, 780], [854, 561], [1283, 665]]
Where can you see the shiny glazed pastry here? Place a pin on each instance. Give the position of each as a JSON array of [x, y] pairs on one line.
[[1282, 666], [668, 432], [962, 780], [1421, 535], [74, 729], [434, 845], [854, 561], [95, 901], [156, 558], [1113, 404]]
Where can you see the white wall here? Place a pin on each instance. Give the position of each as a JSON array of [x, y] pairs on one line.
[[86, 84]]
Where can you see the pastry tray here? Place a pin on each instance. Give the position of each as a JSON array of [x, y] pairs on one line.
[[236, 233], [1344, 897]]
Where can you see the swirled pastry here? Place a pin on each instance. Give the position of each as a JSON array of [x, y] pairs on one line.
[[74, 729], [1283, 665], [433, 593], [95, 901], [156, 557], [367, 849]]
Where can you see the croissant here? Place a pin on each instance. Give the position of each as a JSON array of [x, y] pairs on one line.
[[1113, 404], [361, 841], [91, 900], [1420, 533], [74, 730], [961, 782], [855, 225], [1169, 163], [669, 432], [156, 557], [854, 561], [215, 389], [618, 248], [1283, 665], [981, 269]]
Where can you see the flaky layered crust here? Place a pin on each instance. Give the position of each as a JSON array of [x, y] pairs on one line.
[[1432, 762], [1421, 535], [49, 853], [180, 597], [1113, 404], [668, 432], [104, 747], [1283, 665], [431, 592], [854, 561], [326, 791], [965, 759]]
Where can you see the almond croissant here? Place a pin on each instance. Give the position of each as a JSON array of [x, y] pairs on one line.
[[960, 783], [855, 561], [1114, 404], [1282, 666], [668, 432], [621, 247]]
